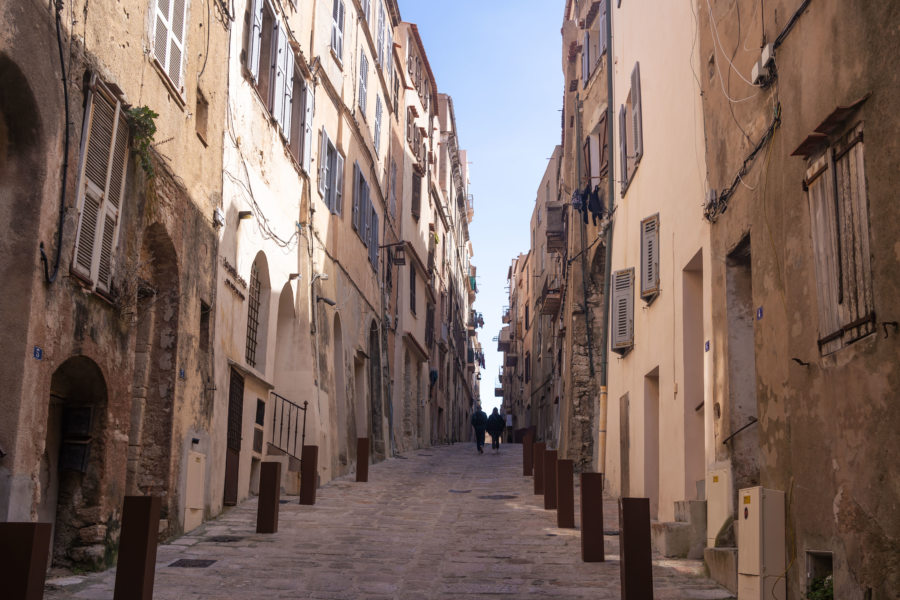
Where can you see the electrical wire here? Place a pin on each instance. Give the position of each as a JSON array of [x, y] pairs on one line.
[[716, 40]]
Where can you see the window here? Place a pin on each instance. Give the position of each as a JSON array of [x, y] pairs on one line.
[[622, 311], [362, 204], [204, 326], [382, 51], [169, 18], [527, 367], [104, 160], [260, 51], [377, 124], [366, 6], [300, 135], [201, 117], [412, 287], [416, 207], [650, 258], [373, 238], [393, 192], [363, 81], [331, 175], [253, 314], [397, 96], [838, 206], [337, 29], [594, 41], [631, 138]]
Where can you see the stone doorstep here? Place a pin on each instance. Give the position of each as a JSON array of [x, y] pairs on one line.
[[722, 566], [686, 536]]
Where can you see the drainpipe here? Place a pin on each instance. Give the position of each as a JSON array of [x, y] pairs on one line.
[[604, 346], [584, 277]]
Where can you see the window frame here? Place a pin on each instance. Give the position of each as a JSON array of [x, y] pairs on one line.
[[181, 44]]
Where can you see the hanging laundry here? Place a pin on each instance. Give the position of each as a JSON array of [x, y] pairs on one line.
[[596, 205]]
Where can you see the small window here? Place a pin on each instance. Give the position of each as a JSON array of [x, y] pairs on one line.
[[253, 303], [378, 111], [331, 174], [416, 207], [337, 29], [622, 325], [260, 412], [631, 137], [167, 33], [204, 327], [363, 82], [201, 117], [650, 258], [412, 287]]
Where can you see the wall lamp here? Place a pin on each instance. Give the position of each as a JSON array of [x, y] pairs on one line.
[[244, 214], [327, 301]]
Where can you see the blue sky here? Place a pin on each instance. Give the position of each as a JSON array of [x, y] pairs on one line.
[[500, 60]]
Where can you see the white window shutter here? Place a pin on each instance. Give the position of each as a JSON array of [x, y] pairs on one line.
[[277, 87], [161, 27], [256, 18], [622, 310], [338, 193], [363, 81], [177, 42], [378, 111], [308, 111], [650, 257], [623, 148], [337, 28], [323, 168], [289, 74], [603, 40], [357, 192], [637, 113]]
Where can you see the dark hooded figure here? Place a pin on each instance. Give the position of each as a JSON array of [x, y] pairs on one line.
[[479, 422], [495, 426]]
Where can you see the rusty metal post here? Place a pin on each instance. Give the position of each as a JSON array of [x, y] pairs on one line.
[[136, 566], [362, 460], [636, 563], [269, 497], [527, 454], [565, 494], [309, 460], [538, 454], [24, 550], [592, 517], [549, 479]]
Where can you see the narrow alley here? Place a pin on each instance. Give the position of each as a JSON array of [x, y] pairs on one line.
[[441, 522]]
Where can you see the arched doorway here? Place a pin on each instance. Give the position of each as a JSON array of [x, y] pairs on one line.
[[72, 464], [150, 453], [376, 430]]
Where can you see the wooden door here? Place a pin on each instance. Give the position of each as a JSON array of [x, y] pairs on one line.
[[233, 443]]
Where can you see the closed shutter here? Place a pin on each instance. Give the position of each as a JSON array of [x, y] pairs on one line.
[[637, 113], [364, 207], [289, 75], [393, 189], [363, 81], [357, 192], [378, 112], [380, 44], [337, 28], [622, 310], [276, 90], [603, 39], [650, 257], [323, 168], [585, 57], [104, 164], [823, 218], [338, 194], [373, 240], [255, 39], [623, 149], [308, 111], [168, 37]]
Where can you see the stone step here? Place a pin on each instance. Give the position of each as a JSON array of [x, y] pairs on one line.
[[722, 566], [691, 511], [686, 536]]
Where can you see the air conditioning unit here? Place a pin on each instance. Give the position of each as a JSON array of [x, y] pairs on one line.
[[761, 560]]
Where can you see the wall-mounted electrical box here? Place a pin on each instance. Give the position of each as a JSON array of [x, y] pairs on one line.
[[761, 561], [719, 502]]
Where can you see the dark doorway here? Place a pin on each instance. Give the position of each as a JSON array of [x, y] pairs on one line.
[[233, 443]]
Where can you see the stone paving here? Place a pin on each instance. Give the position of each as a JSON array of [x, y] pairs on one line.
[[437, 523]]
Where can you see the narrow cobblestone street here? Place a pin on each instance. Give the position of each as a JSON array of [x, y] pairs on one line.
[[437, 523]]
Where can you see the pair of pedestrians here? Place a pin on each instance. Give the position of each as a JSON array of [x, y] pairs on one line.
[[494, 425]]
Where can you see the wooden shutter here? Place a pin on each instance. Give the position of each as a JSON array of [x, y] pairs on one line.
[[380, 44], [373, 240], [650, 257], [585, 57], [603, 40], [636, 113], [323, 168], [364, 207], [363, 81], [354, 217], [255, 39], [289, 75], [308, 111], [823, 219], [168, 37], [622, 310], [338, 194], [277, 86], [623, 149], [104, 163], [337, 28], [378, 112]]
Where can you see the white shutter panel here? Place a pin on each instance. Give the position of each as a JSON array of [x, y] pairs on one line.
[[603, 40], [337, 28], [161, 26], [380, 43], [308, 109], [586, 57], [289, 74], [622, 310], [363, 81], [378, 112], [623, 148], [276, 89], [650, 256], [636, 113], [323, 167], [176, 42], [256, 18], [338, 193], [357, 192]]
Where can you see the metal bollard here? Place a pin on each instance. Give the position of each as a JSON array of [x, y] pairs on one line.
[[527, 454], [362, 460], [592, 517], [24, 548], [565, 494], [539, 448], [136, 566], [634, 549], [309, 460], [549, 479], [269, 497]]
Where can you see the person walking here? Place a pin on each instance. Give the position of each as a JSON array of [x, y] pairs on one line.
[[479, 422], [495, 427]]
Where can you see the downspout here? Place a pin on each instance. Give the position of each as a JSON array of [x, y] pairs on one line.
[[607, 267], [584, 277]]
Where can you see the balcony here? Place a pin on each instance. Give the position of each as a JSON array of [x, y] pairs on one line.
[[512, 359], [556, 227], [498, 392], [506, 317], [505, 340], [551, 296]]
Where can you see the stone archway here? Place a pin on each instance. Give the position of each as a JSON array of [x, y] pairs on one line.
[[156, 348], [72, 467]]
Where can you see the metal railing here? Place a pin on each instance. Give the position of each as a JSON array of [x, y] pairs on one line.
[[285, 426]]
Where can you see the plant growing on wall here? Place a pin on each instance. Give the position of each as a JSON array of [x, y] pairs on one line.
[[143, 128], [821, 588]]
